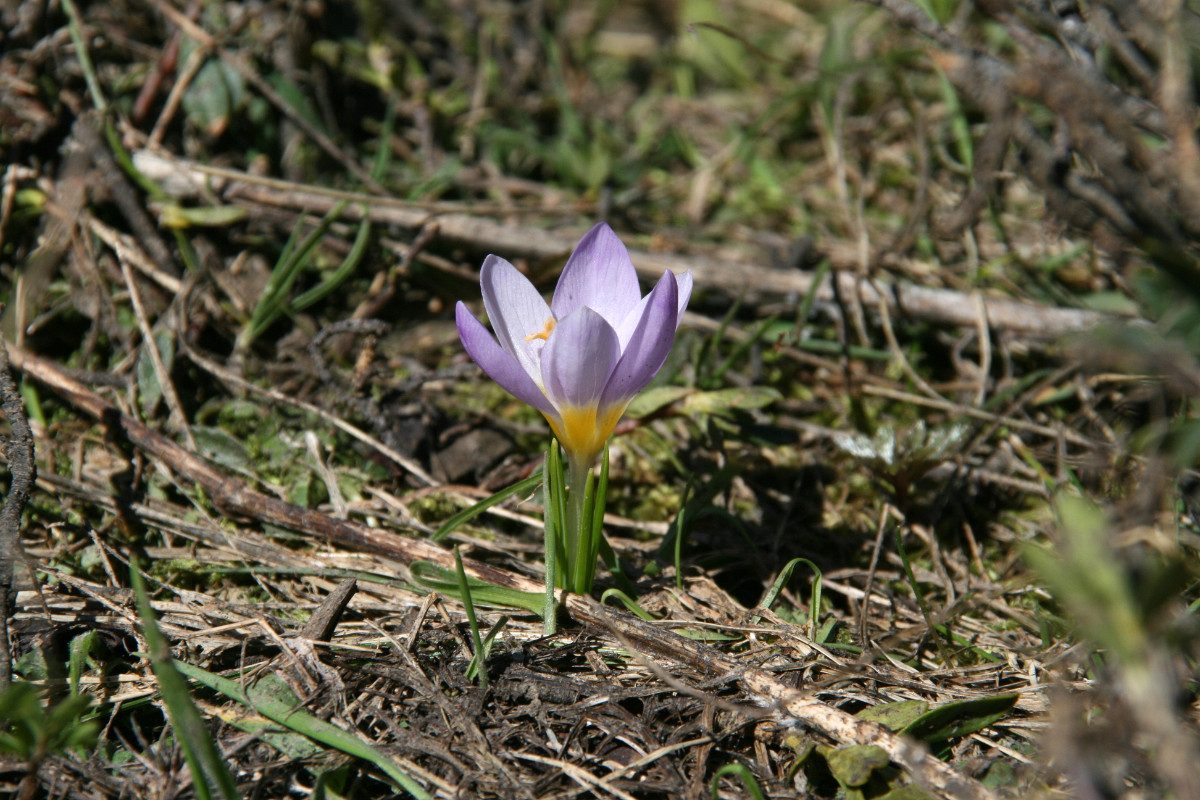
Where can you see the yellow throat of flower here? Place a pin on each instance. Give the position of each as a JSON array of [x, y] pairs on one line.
[[584, 430]]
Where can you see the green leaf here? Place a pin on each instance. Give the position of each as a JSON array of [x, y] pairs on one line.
[[221, 447], [486, 648], [1085, 575], [955, 720], [439, 579], [1111, 302], [520, 487], [149, 390], [741, 771], [173, 215], [199, 750], [297, 255], [212, 96], [656, 399], [814, 605], [476, 668], [723, 401], [630, 604], [81, 651], [552, 520], [852, 766], [21, 709], [288, 742], [895, 716], [275, 701]]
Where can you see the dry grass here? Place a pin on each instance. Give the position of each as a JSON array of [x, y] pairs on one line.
[[883, 472]]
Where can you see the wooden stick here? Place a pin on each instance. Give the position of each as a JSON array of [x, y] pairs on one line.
[[462, 225]]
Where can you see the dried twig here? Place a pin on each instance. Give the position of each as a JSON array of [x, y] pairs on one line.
[[177, 417], [456, 225], [18, 449]]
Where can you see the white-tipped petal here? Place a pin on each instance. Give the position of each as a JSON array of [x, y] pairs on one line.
[[501, 366], [684, 281], [516, 311]]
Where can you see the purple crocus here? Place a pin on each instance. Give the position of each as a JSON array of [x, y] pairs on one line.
[[581, 359]]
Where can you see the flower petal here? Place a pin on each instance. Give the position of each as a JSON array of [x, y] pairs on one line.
[[500, 365], [684, 281], [516, 311], [600, 276], [648, 344], [578, 359]]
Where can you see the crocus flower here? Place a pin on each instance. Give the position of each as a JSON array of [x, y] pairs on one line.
[[583, 357]]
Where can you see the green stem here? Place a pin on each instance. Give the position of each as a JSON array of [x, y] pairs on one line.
[[578, 545], [551, 485]]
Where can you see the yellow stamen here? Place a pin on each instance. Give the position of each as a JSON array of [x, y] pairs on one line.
[[544, 333]]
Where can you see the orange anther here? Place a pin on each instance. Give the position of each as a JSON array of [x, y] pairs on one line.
[[544, 333]]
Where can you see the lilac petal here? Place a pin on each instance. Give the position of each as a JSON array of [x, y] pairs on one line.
[[579, 358], [516, 311], [648, 345], [684, 281], [600, 276], [628, 325], [502, 367]]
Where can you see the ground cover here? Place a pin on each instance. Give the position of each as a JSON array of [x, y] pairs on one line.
[[909, 512]]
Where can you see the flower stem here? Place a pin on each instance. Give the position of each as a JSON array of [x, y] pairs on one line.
[[577, 527], [552, 491]]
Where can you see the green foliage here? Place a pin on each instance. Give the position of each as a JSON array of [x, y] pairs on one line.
[[203, 756], [270, 696], [864, 772], [853, 766], [439, 579], [298, 256], [466, 515], [33, 731], [814, 606], [631, 605], [899, 458], [477, 669], [743, 773], [895, 716], [956, 720], [1117, 604]]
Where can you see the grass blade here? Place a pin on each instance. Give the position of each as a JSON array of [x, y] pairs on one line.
[[464, 587], [741, 771], [199, 749], [276, 702], [520, 487], [439, 579], [785, 574]]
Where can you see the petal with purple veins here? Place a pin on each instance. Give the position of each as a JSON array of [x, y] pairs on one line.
[[501, 366], [600, 276], [516, 311], [579, 358], [683, 282], [648, 345]]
